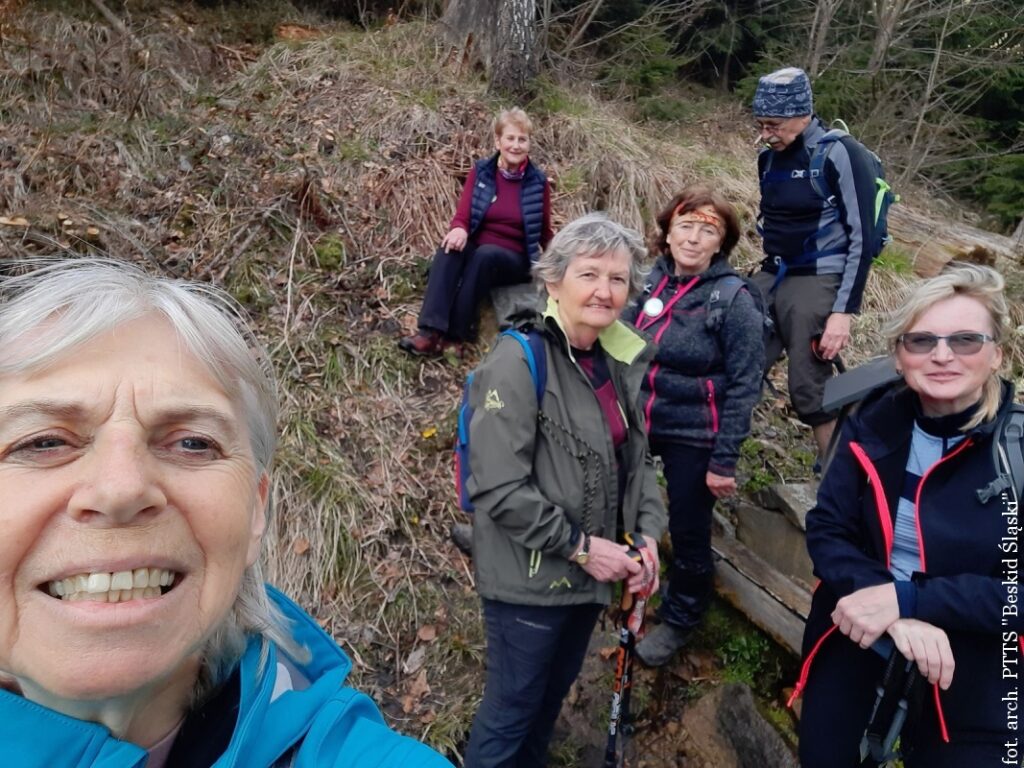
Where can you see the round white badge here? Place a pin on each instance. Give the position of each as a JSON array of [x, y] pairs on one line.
[[654, 307]]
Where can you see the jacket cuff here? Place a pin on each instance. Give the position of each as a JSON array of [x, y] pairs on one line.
[[906, 597], [574, 537], [722, 469]]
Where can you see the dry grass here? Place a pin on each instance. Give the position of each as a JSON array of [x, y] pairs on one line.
[[311, 180]]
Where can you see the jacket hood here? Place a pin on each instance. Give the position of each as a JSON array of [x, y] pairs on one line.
[[279, 699]]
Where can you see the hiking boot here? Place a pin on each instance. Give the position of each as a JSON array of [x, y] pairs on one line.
[[426, 343], [462, 537], [660, 644]]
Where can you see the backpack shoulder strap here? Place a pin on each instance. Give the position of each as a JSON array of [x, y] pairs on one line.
[[1007, 456], [1011, 439], [722, 295], [819, 154], [532, 342]]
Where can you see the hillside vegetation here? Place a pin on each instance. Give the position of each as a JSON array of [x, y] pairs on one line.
[[311, 172]]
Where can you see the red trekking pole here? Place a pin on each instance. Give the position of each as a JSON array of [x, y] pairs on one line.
[[618, 720]]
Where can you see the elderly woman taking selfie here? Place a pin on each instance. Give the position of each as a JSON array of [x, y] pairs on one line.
[[137, 429], [556, 484], [908, 540]]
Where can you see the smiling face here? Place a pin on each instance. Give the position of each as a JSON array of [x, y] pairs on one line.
[[694, 238], [592, 294], [947, 382], [513, 144], [123, 462]]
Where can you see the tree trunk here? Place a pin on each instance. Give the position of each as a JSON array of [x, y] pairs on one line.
[[824, 12], [512, 60], [500, 35]]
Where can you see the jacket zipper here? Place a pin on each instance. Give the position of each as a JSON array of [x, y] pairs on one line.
[[649, 405], [712, 406], [920, 547]]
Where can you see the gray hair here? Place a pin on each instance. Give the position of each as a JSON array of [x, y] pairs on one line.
[[984, 285], [592, 235], [784, 76], [49, 308]]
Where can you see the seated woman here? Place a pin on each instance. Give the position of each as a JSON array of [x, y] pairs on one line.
[[698, 394], [502, 224], [137, 430], [908, 551], [555, 486]]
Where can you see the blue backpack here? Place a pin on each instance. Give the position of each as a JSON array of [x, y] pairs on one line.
[[884, 196], [532, 342]]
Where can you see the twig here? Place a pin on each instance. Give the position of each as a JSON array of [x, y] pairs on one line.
[[117, 24]]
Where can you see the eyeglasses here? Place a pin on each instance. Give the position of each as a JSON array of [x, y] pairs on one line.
[[771, 126], [961, 343]]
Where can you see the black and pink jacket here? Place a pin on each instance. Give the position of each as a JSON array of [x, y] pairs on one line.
[[703, 384], [962, 586]]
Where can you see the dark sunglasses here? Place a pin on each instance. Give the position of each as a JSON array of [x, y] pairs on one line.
[[961, 343]]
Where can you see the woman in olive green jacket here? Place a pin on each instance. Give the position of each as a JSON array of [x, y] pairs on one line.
[[555, 487]]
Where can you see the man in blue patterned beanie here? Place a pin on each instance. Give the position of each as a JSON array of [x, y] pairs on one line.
[[817, 248]]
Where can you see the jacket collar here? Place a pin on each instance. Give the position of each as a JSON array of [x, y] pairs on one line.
[[719, 267], [279, 698], [618, 340], [888, 417]]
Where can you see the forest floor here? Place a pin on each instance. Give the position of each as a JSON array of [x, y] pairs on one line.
[[310, 169]]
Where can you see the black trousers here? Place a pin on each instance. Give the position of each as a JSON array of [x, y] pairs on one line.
[[837, 704], [690, 503], [459, 281]]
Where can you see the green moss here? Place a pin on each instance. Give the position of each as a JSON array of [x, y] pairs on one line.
[[330, 252]]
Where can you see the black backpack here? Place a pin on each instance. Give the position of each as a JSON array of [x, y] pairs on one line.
[[724, 293], [844, 393]]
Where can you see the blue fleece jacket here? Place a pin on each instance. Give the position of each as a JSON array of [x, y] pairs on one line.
[[290, 714]]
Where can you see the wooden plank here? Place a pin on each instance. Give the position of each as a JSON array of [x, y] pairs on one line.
[[794, 596], [769, 599]]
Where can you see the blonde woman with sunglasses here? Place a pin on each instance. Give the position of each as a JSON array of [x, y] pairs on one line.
[[912, 554]]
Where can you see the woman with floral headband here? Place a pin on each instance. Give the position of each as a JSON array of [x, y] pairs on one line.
[[699, 392]]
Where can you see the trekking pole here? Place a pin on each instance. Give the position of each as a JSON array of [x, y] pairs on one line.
[[898, 682], [618, 719]]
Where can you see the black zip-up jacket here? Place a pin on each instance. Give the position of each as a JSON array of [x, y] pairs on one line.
[[703, 384], [968, 550]]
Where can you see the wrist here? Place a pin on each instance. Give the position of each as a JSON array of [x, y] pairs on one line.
[[582, 553]]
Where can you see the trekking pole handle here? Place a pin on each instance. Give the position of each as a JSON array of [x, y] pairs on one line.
[[635, 542]]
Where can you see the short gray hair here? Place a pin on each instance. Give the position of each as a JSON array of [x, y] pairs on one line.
[[592, 235], [48, 308], [984, 285]]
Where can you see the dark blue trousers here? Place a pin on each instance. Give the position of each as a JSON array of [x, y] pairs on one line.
[[690, 503], [459, 281], [534, 654]]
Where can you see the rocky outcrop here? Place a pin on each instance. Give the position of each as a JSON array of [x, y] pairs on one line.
[[725, 730]]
